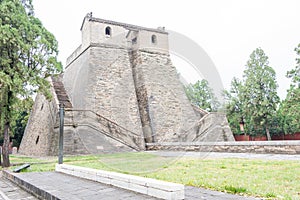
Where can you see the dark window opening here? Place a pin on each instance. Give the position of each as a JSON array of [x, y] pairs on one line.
[[108, 31], [153, 39], [134, 40], [37, 139]]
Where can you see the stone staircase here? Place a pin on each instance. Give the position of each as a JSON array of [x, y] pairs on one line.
[[60, 91], [91, 132]]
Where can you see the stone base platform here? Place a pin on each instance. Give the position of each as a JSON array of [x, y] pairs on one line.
[[269, 147]]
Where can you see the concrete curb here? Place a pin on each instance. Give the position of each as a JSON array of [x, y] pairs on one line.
[[35, 191], [151, 187]]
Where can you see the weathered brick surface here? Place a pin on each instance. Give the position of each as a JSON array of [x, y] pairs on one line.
[[163, 103], [37, 137], [103, 83]]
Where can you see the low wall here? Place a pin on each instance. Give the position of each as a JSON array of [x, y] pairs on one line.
[[275, 147], [295, 136], [148, 186]]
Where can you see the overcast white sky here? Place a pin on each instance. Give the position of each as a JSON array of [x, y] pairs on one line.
[[228, 30]]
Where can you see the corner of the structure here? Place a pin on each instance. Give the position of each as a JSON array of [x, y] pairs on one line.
[[39, 132]]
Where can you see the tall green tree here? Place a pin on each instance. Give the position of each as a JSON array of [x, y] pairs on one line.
[[289, 111], [294, 74], [260, 90], [290, 107], [234, 105], [202, 96], [27, 57], [255, 97]]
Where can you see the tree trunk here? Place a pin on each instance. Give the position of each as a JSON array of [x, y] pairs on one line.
[[268, 134], [5, 148], [6, 104]]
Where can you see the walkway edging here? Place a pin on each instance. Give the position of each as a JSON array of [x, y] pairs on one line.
[[32, 189], [148, 186]]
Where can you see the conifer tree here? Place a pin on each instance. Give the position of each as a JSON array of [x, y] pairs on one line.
[[27, 57]]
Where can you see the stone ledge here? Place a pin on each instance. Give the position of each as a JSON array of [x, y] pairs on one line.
[[239, 143], [151, 187], [276, 147]]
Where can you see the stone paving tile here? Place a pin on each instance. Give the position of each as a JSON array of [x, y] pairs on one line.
[[13, 192]]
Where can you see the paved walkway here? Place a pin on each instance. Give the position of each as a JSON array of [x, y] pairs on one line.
[[204, 155], [66, 187], [9, 191]]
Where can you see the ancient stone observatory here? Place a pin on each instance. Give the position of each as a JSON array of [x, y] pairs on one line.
[[120, 92]]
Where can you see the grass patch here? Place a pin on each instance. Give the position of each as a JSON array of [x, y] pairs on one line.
[[18, 159], [129, 163], [36, 164], [270, 195], [235, 190], [263, 178]]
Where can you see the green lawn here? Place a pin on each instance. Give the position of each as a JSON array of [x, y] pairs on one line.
[[263, 178]]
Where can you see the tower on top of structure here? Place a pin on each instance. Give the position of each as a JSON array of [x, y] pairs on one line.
[[107, 32]]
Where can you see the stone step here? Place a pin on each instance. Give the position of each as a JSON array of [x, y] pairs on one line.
[[61, 92]]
